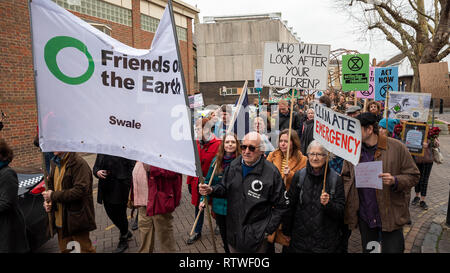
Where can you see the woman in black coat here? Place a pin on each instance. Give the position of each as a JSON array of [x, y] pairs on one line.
[[115, 175], [13, 238], [314, 219]]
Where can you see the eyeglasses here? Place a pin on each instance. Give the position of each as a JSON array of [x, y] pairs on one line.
[[318, 155], [250, 147]]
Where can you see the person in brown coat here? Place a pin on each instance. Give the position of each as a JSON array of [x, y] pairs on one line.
[[380, 214], [69, 199], [297, 161]]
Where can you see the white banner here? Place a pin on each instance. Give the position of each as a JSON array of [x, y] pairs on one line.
[[339, 134], [296, 66], [409, 106], [98, 95]]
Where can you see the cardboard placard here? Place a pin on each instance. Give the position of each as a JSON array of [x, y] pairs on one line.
[[414, 135]]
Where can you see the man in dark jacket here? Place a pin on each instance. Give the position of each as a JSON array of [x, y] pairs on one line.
[[13, 238], [69, 198], [115, 175], [284, 115], [256, 198]]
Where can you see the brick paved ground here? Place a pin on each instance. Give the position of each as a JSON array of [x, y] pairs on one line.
[[105, 238]]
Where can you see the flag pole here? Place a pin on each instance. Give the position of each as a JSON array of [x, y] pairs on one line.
[[44, 169], [199, 171]]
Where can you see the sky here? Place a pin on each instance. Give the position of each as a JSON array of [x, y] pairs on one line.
[[315, 21]]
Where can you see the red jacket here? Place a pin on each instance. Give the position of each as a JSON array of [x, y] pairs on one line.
[[206, 154], [164, 191]]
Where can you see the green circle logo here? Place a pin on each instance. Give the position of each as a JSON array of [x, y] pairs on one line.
[[52, 48]]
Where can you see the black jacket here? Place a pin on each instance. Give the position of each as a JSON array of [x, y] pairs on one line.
[[284, 121], [116, 187], [312, 226], [255, 204], [307, 136], [13, 238]]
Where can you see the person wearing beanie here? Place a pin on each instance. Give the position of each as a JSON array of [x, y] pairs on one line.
[[380, 214], [390, 126]]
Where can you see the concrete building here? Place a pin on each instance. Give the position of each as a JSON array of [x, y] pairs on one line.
[[231, 48], [133, 22]]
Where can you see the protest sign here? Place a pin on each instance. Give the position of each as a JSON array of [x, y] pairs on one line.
[[98, 95], [284, 94], [409, 106], [258, 78], [386, 79], [369, 94], [355, 72], [296, 66], [196, 101], [366, 175], [414, 135], [339, 134], [434, 79]]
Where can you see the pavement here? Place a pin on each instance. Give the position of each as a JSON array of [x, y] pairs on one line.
[[426, 234]]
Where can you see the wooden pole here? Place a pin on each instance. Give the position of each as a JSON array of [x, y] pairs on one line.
[[325, 175], [289, 135], [44, 169], [365, 105]]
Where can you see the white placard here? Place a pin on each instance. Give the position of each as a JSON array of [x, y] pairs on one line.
[[296, 66], [338, 133], [409, 106], [98, 95], [258, 78], [366, 175]]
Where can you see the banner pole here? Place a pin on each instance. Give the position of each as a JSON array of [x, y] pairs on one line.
[[289, 135], [325, 175], [44, 169], [197, 157]]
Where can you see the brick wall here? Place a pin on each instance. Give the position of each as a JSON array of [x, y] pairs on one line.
[[17, 93]]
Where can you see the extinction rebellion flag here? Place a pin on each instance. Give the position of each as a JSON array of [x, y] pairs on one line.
[[98, 95]]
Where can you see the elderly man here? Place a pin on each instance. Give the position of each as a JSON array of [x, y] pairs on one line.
[[380, 214], [256, 198]]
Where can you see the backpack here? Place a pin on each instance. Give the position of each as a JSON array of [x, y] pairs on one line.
[[302, 179]]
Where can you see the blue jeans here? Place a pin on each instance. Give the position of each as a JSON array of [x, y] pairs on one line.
[[199, 226]]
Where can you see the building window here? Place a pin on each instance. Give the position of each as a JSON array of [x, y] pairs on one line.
[[102, 27], [182, 33], [150, 24], [99, 9], [228, 91], [252, 91]]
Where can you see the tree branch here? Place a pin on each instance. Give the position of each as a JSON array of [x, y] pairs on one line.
[[421, 13], [396, 26], [443, 54]]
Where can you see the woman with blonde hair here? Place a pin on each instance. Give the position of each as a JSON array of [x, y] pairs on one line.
[[287, 168]]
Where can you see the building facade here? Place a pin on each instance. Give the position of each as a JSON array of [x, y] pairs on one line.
[[133, 22], [231, 48]]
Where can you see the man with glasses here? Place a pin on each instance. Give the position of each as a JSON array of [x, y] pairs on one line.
[[256, 198]]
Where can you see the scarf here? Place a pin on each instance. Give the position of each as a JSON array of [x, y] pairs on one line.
[[4, 164], [226, 161]]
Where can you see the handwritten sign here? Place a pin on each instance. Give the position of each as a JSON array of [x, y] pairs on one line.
[[339, 134], [413, 135], [366, 175], [296, 66], [355, 72], [386, 79]]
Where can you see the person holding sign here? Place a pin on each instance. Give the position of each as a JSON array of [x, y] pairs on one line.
[[297, 161], [383, 211], [314, 218], [255, 196]]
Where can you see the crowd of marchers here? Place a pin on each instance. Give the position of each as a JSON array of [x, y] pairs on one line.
[[272, 187]]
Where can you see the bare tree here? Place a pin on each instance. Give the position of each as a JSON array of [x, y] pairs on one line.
[[420, 32]]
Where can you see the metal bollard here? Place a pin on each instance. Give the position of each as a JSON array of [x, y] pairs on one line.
[[441, 106]]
